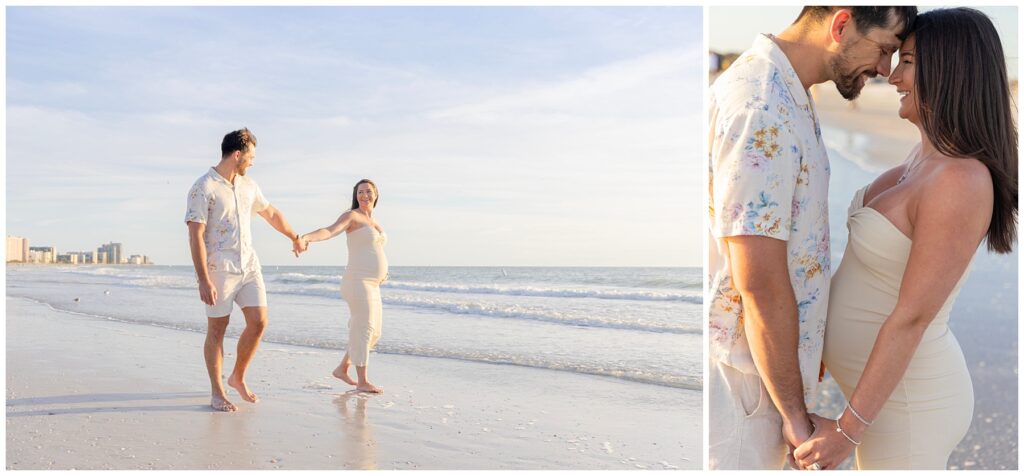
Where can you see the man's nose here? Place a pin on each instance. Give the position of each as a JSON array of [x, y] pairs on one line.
[[885, 66]]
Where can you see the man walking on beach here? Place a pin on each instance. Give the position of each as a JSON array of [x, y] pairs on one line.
[[769, 262], [220, 206]]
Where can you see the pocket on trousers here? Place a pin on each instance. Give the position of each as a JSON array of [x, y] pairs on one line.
[[754, 396], [748, 392]]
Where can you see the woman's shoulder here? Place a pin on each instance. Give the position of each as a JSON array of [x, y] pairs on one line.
[[958, 189], [963, 176]]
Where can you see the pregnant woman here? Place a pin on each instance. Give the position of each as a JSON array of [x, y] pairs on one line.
[[913, 233], [360, 287]]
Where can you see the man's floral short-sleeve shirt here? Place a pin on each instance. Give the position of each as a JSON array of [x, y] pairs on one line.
[[227, 210], [769, 177]]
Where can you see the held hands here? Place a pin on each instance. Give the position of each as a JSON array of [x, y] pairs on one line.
[[299, 245], [795, 432], [826, 447]]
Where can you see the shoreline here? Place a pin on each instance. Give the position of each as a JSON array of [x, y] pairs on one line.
[[102, 406]]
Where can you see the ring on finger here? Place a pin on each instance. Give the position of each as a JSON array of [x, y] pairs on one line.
[[814, 466]]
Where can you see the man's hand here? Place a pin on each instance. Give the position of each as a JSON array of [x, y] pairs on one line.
[[299, 245], [207, 292], [796, 432]]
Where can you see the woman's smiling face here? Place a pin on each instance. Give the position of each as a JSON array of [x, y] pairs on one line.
[[903, 77], [366, 195]]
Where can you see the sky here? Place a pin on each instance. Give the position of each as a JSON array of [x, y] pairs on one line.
[[732, 29], [498, 136]]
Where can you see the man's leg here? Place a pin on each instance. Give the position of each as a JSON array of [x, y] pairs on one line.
[[744, 428], [213, 351], [248, 342]]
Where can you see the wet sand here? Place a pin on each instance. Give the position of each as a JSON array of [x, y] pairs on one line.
[[86, 393]]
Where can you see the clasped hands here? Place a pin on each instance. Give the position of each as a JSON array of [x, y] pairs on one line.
[[299, 245], [825, 446]]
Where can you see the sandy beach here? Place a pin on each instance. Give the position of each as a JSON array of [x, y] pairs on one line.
[[89, 393], [865, 139]]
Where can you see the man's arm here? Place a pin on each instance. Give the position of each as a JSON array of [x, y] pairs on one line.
[[207, 293], [771, 324], [277, 220]]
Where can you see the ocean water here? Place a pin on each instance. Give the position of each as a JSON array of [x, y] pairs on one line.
[[636, 324]]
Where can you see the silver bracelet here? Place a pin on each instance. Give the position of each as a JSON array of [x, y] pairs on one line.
[[857, 415], [839, 429]]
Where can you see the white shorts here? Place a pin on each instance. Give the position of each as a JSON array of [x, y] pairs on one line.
[[246, 289], [744, 428]]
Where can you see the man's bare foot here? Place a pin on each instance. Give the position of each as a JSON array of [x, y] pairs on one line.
[[342, 373], [221, 404], [369, 388], [243, 390]]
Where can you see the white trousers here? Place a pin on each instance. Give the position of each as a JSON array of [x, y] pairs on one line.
[[744, 427]]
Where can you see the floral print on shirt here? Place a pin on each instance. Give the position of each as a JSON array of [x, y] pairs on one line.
[[768, 176], [226, 209]]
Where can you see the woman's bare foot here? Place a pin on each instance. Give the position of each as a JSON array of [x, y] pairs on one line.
[[243, 390], [221, 404], [369, 388], [342, 373]]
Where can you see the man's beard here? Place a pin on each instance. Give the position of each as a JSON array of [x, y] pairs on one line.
[[847, 82]]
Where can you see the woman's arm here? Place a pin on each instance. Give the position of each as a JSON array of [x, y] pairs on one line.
[[947, 229], [332, 230]]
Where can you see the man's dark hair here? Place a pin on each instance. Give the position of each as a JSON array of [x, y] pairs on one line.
[[865, 18], [241, 139]]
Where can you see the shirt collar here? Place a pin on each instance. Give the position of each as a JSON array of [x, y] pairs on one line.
[[218, 177], [765, 46]]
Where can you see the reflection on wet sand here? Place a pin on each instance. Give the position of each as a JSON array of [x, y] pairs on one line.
[[359, 447]]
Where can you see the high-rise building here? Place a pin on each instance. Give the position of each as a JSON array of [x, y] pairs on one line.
[[83, 257], [42, 254], [17, 249], [102, 258], [69, 258], [115, 253]]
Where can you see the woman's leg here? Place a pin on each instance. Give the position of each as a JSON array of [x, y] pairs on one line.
[[365, 384], [359, 294], [341, 371]]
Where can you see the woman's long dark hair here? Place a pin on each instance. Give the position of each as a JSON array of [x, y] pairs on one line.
[[964, 104], [376, 193]]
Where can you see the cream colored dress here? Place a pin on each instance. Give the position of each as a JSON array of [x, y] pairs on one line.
[[930, 409], [360, 287]]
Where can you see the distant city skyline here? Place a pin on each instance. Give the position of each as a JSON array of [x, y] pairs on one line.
[[20, 250], [498, 136]]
